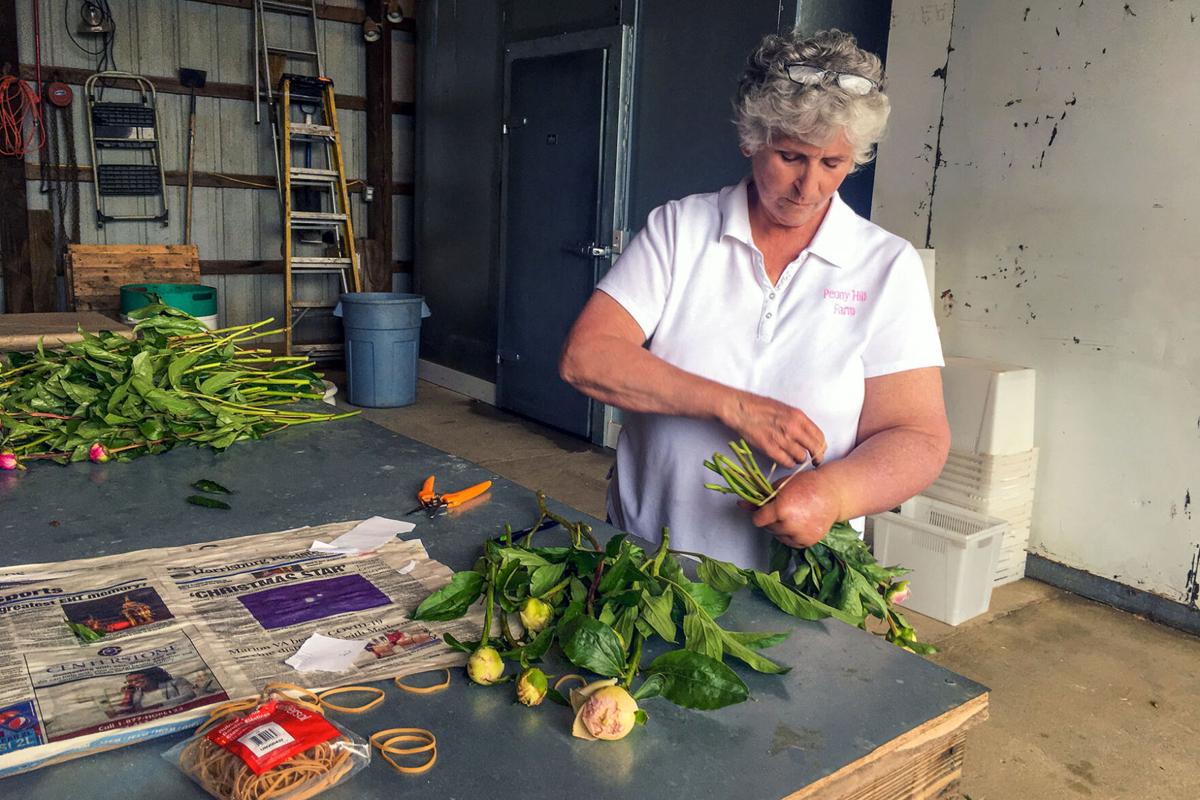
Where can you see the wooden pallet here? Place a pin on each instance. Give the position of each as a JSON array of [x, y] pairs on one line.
[[96, 272], [923, 764]]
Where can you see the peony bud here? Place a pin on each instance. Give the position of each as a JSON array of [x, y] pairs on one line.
[[603, 710], [532, 686], [899, 592], [8, 460], [535, 615], [485, 666], [97, 453]]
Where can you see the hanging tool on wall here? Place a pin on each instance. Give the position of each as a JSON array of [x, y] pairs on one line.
[[126, 147], [193, 79]]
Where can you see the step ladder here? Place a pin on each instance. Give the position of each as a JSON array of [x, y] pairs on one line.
[[314, 201], [126, 151]]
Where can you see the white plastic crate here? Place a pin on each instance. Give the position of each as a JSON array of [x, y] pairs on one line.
[[951, 551], [1007, 507], [990, 405]]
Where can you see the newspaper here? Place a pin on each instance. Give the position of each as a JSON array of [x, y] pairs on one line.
[[102, 652]]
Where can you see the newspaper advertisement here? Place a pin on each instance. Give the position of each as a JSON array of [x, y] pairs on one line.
[[107, 651]]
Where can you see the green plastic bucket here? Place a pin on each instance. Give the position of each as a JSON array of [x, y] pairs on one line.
[[195, 299]]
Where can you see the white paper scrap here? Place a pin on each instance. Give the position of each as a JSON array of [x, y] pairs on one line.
[[326, 654], [368, 535]]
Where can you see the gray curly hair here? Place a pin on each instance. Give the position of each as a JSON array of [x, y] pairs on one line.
[[769, 103]]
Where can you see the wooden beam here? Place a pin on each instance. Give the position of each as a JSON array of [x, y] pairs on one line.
[[266, 267], [225, 91], [353, 16], [211, 180], [14, 222], [377, 272], [42, 266]]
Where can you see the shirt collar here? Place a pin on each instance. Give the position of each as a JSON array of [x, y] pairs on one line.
[[835, 242]]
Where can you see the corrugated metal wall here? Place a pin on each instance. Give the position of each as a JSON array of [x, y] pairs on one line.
[[156, 38]]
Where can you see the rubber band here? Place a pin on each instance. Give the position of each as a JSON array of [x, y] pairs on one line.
[[387, 749], [225, 776], [437, 687], [283, 688], [351, 709], [572, 677]]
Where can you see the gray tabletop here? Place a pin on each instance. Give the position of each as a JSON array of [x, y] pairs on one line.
[[848, 692]]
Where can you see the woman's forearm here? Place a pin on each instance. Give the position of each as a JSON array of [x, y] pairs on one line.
[[887, 469], [622, 374]]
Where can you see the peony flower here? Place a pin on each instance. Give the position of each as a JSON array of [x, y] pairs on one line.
[[535, 615], [532, 686], [603, 710], [899, 592], [485, 666], [8, 460], [97, 453]]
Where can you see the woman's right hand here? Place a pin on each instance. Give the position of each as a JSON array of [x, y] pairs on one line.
[[780, 432]]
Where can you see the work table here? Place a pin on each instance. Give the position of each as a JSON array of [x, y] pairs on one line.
[[855, 717]]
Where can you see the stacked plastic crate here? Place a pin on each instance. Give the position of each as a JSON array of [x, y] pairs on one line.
[[992, 467]]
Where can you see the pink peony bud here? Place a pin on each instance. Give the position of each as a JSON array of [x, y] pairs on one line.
[[97, 453], [899, 593], [8, 460], [603, 710]]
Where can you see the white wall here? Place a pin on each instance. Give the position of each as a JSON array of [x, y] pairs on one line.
[[155, 38], [1067, 236]]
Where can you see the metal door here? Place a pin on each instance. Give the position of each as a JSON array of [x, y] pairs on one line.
[[560, 180]]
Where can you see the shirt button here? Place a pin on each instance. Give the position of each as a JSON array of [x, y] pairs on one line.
[[771, 295], [768, 315]]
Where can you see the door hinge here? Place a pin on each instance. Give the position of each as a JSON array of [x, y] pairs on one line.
[[509, 125]]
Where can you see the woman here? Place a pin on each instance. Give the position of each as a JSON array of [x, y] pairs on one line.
[[771, 312]]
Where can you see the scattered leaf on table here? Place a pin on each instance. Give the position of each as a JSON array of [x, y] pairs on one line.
[[207, 502]]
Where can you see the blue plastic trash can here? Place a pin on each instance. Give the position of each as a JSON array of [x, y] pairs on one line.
[[382, 335]]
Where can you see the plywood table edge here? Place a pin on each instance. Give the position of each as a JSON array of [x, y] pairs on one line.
[[957, 720]]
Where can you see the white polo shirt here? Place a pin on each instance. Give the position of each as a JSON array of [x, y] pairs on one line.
[[853, 305]]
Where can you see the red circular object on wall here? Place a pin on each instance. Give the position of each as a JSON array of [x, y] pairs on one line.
[[58, 94]]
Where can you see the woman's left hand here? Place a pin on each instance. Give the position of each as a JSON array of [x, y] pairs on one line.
[[804, 510]]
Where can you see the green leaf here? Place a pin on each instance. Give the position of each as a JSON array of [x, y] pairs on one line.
[[543, 578], [758, 640], [178, 366], [779, 556], [206, 502], [613, 547], [701, 634], [694, 680], [457, 645], [592, 645], [752, 659], [656, 611], [212, 487], [784, 598], [651, 687], [453, 599], [522, 556], [218, 381], [721, 575], [538, 647], [671, 570], [615, 575], [711, 600]]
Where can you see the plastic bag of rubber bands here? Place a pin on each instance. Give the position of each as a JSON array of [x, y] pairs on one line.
[[274, 747]]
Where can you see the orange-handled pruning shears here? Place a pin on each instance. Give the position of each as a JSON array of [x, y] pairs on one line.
[[434, 503]]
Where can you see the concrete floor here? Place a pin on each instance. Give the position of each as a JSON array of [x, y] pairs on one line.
[[1086, 701]]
